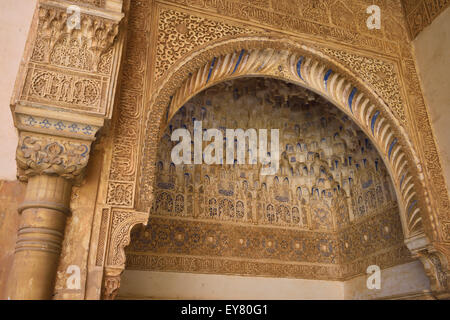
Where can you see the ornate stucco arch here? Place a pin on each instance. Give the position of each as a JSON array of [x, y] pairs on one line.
[[299, 64]]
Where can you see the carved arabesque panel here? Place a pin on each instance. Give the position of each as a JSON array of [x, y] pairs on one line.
[[380, 74], [179, 33]]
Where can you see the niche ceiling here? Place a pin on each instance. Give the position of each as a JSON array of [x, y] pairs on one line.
[[329, 213]]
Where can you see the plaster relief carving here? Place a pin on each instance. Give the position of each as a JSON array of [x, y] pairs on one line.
[[64, 88], [42, 154], [82, 48], [380, 74], [420, 13], [179, 33], [121, 224], [73, 70]]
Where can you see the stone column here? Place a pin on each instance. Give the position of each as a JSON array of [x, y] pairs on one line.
[[64, 93], [40, 236], [51, 165]]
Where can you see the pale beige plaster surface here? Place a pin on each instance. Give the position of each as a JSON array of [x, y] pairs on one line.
[[15, 20], [171, 285], [402, 280], [432, 50]]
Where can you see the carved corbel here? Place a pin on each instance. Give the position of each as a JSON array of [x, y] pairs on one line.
[[435, 259], [119, 237]]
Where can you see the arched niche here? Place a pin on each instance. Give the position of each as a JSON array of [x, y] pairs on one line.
[[295, 63]]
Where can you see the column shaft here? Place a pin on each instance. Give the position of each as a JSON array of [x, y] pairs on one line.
[[39, 238]]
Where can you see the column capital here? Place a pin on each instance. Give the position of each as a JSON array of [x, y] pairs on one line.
[[65, 90], [39, 154]]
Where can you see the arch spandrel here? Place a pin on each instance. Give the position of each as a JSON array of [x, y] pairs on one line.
[[306, 67]]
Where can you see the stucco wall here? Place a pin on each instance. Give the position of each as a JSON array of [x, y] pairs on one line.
[[15, 20], [170, 285], [402, 280], [432, 50]]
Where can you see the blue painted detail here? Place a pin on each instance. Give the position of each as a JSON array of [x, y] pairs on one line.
[[401, 180], [392, 147], [351, 97], [299, 66], [31, 121], [45, 124], [239, 60], [211, 69], [411, 206], [374, 119], [86, 151], [59, 126], [87, 130], [325, 79], [74, 127]]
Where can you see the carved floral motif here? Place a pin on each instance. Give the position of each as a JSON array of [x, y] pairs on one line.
[[41, 154], [179, 33], [58, 44]]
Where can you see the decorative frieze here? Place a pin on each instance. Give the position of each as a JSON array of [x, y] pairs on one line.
[[47, 125], [421, 13], [69, 90]]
